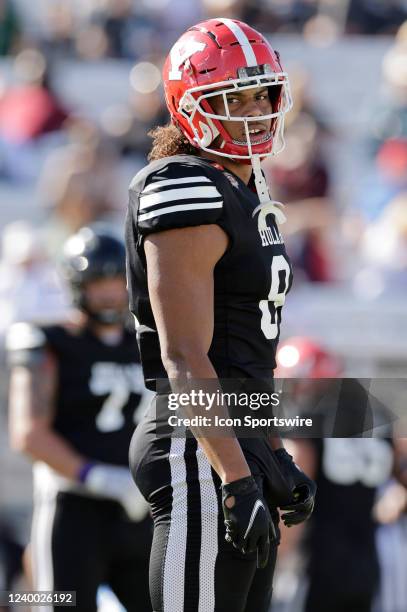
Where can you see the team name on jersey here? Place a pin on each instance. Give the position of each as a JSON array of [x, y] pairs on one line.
[[270, 236]]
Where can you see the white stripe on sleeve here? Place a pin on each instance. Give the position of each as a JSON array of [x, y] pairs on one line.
[[172, 195], [172, 209], [178, 181]]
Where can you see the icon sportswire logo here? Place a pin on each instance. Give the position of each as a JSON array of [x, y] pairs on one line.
[[259, 504]]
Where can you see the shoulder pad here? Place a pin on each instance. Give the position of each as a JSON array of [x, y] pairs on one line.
[[176, 192], [24, 336]]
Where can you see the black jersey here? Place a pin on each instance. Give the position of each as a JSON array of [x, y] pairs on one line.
[[341, 539], [349, 470], [250, 280], [99, 387]]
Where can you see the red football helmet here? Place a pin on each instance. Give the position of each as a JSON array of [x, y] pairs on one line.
[[214, 58]]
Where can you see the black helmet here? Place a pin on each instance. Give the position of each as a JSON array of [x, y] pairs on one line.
[[93, 253]]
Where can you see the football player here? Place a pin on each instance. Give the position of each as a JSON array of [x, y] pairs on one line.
[[342, 560], [207, 275], [11, 555], [76, 393]]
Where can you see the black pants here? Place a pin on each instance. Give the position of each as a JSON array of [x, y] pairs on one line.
[[79, 542], [321, 600], [11, 553], [192, 567], [343, 573]]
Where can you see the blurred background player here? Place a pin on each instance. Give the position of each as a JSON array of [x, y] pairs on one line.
[[75, 396], [391, 535], [11, 554], [341, 559]]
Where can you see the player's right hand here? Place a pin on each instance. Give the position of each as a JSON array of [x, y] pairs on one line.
[[248, 522], [303, 490], [115, 482]]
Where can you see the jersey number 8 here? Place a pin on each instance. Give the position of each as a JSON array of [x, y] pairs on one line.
[[275, 298]]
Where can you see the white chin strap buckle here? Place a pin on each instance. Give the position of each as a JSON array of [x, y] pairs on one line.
[[267, 205]]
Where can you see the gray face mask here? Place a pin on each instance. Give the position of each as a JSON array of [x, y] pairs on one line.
[[109, 316]]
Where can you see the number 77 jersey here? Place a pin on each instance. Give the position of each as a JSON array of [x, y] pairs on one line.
[[99, 395], [251, 280]]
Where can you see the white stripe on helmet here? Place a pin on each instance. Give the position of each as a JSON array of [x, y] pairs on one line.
[[243, 40]]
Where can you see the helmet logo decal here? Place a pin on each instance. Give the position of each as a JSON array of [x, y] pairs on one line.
[[209, 131], [180, 52], [207, 137]]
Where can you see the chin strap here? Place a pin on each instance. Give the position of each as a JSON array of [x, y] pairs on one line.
[[267, 205]]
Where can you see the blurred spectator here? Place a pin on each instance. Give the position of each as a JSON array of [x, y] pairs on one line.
[[29, 110], [58, 27], [300, 171], [115, 28], [385, 180], [124, 28], [299, 177], [115, 21], [80, 185], [173, 17], [30, 289], [129, 124], [129, 29], [389, 120], [375, 16], [280, 15], [148, 111], [401, 35], [232, 9], [359, 16], [384, 248], [9, 27]]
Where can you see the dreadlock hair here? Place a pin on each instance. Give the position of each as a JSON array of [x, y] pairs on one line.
[[168, 140]]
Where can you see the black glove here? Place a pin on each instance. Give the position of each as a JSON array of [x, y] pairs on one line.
[[303, 489], [248, 523]]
